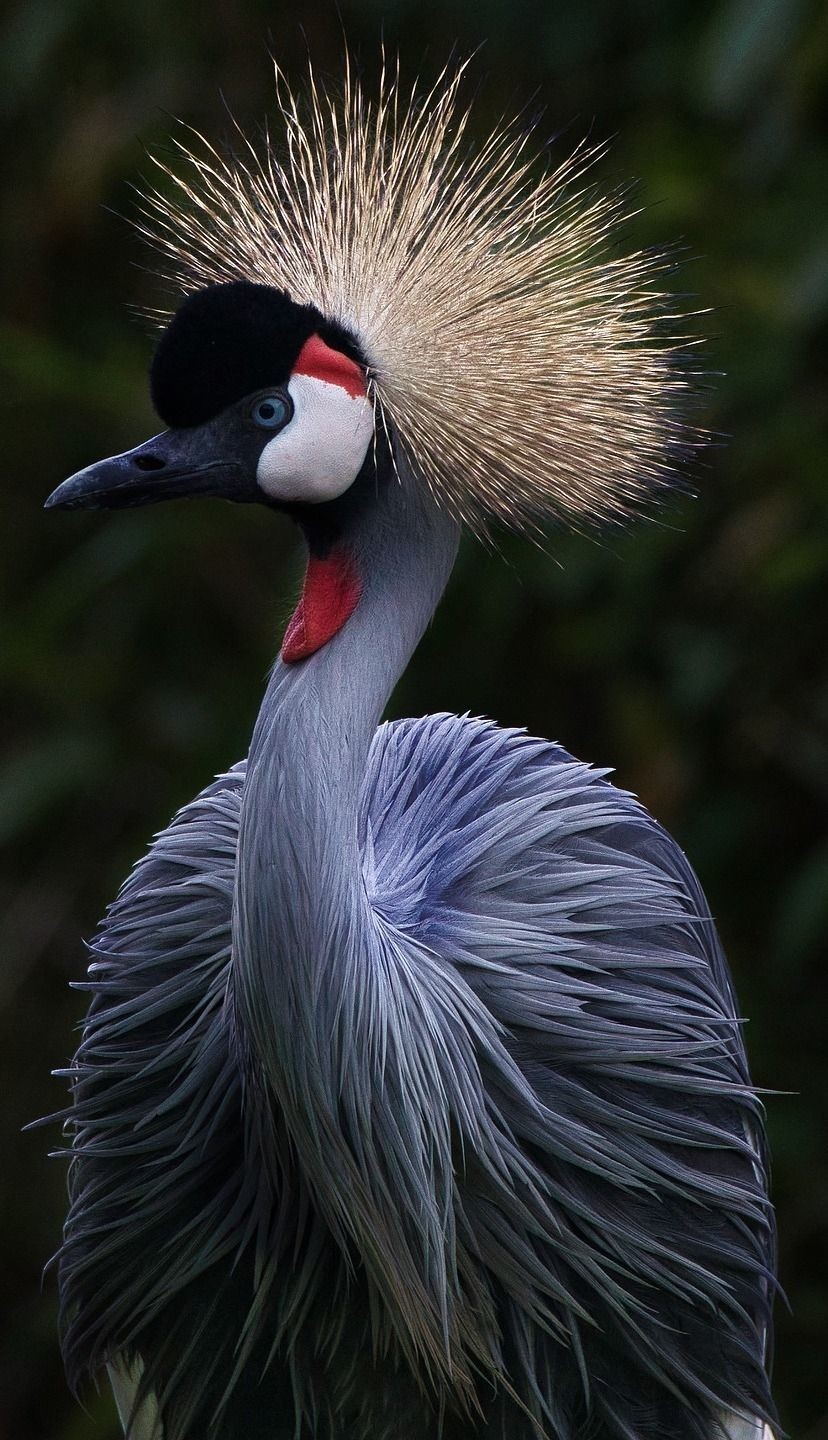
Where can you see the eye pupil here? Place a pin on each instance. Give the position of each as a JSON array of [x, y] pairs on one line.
[[266, 410]]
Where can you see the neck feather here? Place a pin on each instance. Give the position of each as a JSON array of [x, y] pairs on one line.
[[336, 1032]]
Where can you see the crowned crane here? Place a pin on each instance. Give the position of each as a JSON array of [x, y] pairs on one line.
[[412, 1100]]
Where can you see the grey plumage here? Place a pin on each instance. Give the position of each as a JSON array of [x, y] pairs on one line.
[[412, 1097]]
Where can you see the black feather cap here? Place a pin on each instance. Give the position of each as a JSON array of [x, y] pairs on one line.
[[227, 341]]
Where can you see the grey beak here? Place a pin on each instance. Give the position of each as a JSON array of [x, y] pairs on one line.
[[164, 468]]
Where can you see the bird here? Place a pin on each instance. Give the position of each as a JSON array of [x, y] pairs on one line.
[[412, 1099]]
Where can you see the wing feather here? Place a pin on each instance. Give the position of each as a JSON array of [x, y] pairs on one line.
[[580, 925]]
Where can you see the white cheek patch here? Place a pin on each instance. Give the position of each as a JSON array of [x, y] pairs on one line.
[[319, 453]]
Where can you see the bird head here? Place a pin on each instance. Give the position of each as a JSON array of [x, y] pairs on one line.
[[265, 401], [378, 295]]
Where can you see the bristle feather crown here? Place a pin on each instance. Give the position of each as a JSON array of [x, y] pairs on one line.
[[525, 368]]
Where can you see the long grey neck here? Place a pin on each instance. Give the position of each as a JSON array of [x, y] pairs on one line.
[[310, 974], [299, 885]]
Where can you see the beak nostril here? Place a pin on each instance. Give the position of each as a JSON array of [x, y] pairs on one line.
[[148, 462]]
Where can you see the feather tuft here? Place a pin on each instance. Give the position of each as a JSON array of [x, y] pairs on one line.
[[528, 369]]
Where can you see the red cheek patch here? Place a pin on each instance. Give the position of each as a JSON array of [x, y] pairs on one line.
[[323, 363], [329, 596]]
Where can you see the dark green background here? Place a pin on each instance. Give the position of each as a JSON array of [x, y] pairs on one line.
[[689, 653]]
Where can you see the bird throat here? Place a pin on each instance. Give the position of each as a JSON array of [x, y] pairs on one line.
[[329, 597]]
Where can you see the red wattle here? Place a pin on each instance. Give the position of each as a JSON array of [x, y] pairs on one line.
[[329, 596]]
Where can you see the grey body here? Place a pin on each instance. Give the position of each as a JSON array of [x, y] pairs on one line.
[[412, 1098]]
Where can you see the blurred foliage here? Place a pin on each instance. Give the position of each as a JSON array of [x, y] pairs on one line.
[[690, 653]]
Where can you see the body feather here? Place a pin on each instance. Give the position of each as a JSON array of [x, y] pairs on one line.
[[616, 1240]]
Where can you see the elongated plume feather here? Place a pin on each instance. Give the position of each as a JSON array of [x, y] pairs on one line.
[[525, 367]]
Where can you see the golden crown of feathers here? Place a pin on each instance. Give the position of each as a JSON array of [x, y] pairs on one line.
[[526, 369]]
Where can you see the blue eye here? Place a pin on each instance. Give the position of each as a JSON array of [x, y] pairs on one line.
[[270, 412]]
